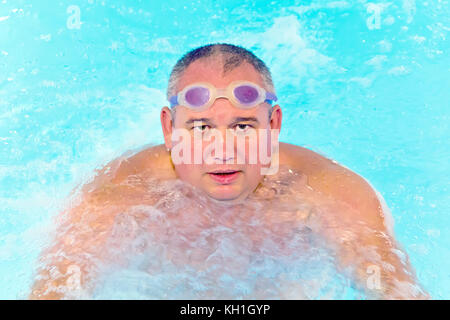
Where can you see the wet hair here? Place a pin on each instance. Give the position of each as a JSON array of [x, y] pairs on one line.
[[232, 57]]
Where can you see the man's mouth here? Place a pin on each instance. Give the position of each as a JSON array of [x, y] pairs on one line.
[[224, 176]]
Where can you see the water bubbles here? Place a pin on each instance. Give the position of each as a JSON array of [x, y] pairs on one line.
[[189, 247]]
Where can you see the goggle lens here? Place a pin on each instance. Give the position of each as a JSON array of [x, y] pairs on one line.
[[197, 96], [246, 94]]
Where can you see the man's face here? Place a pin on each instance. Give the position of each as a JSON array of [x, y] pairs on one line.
[[225, 179]]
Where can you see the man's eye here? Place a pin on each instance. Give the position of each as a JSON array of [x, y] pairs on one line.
[[242, 127], [202, 128]]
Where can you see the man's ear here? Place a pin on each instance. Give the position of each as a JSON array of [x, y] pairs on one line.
[[167, 126], [275, 118]]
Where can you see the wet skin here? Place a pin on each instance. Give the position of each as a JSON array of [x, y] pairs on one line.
[[325, 177], [108, 195]]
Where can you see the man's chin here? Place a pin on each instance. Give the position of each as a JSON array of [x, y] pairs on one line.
[[226, 193]]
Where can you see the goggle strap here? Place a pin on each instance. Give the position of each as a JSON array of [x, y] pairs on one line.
[[271, 96], [173, 101]]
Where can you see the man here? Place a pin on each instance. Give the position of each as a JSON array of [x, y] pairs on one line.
[[220, 93]]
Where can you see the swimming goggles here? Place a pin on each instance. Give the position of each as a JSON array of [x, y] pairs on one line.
[[201, 95]]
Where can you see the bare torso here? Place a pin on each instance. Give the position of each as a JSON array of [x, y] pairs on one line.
[[140, 195]]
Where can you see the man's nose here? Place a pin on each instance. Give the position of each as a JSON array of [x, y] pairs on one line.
[[226, 145]]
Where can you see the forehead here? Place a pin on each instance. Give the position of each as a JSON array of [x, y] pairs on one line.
[[211, 70]]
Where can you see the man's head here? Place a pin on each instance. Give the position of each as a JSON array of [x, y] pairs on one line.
[[219, 65]]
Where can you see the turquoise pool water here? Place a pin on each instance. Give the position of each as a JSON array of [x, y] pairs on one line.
[[364, 83]]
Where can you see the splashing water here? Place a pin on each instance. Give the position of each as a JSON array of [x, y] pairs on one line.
[[187, 246]]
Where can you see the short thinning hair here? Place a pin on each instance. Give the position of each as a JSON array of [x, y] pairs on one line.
[[232, 56]]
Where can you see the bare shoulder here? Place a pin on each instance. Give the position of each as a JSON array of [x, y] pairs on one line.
[[153, 161], [150, 161], [334, 180], [86, 224]]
